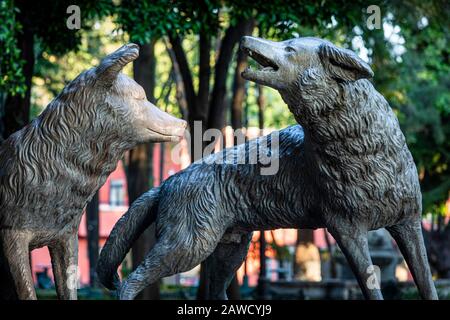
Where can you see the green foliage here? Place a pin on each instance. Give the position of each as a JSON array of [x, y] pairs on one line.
[[46, 20], [416, 82], [11, 77], [279, 19], [49, 22], [152, 19], [424, 109], [52, 72]]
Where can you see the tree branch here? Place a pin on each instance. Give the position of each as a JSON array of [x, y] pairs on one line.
[[201, 113], [180, 95], [239, 91]]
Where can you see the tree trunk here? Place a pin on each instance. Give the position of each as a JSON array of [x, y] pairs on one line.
[[305, 236], [179, 85], [216, 112], [239, 93], [333, 267], [16, 113], [204, 76], [197, 103], [92, 219], [217, 104], [199, 112], [234, 291], [261, 106], [263, 290], [139, 168], [179, 60]]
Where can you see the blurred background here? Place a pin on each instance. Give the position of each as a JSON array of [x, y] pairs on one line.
[[189, 66]]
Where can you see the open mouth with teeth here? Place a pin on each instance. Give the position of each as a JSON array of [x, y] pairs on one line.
[[267, 64]]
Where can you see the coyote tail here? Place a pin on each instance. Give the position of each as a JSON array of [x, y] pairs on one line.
[[141, 214]]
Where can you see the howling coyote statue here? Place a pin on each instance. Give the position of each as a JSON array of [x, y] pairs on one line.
[[51, 168], [347, 168]]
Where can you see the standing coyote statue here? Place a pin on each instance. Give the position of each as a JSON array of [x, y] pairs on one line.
[[347, 168], [51, 168]]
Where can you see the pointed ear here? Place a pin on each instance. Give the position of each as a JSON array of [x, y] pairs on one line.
[[112, 64], [343, 64]]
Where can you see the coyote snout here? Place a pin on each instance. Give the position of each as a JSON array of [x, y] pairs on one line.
[[285, 63], [146, 121]]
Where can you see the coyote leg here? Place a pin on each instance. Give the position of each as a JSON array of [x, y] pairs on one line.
[[16, 254], [64, 255], [409, 239], [163, 260], [356, 250], [222, 265]]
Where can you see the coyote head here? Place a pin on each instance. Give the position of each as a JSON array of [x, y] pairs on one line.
[[102, 101], [284, 64]]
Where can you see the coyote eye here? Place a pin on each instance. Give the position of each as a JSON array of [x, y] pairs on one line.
[[139, 95], [289, 49]]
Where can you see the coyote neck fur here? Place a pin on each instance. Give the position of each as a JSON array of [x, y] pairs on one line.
[[87, 153], [348, 133], [346, 113]]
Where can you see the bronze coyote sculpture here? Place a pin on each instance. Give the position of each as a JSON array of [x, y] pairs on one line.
[[347, 169], [51, 168]]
